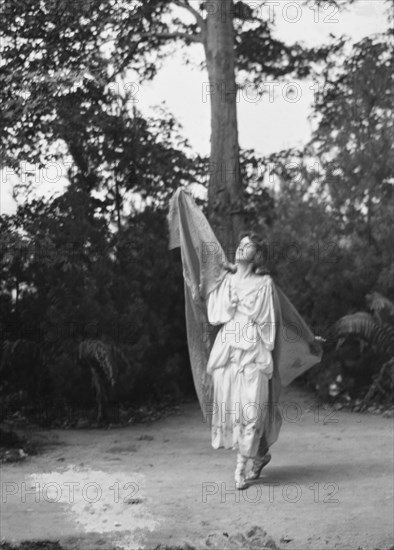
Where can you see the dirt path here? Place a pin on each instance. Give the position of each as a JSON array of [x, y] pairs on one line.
[[329, 485]]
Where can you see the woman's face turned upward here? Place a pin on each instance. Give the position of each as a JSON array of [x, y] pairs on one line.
[[246, 250]]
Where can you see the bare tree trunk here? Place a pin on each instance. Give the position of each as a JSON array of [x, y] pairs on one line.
[[225, 193]]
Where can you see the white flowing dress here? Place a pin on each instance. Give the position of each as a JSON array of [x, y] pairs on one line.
[[240, 361]]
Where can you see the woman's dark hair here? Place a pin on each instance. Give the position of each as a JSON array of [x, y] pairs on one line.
[[261, 260]]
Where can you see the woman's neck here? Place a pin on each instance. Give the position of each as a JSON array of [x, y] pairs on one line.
[[244, 269]]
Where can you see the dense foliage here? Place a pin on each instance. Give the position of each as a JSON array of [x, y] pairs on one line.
[[91, 263]]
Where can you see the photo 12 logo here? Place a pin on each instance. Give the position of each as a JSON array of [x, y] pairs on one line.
[[68, 492], [291, 493]]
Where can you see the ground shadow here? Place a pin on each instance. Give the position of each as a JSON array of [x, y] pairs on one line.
[[304, 473]]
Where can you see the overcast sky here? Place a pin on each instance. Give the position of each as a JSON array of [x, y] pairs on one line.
[[265, 124]]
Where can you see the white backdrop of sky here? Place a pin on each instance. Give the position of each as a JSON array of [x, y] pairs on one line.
[[266, 124]]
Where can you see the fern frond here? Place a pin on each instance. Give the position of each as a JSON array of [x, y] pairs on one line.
[[105, 356], [363, 325], [382, 307], [98, 353]]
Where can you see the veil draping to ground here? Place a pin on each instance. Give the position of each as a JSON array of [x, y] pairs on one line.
[[203, 260]]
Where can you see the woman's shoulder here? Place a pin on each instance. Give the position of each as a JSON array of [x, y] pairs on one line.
[[264, 280]]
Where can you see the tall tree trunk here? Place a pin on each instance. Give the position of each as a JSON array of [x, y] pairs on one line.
[[225, 193]]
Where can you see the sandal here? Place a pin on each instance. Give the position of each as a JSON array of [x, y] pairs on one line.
[[239, 476], [258, 465]]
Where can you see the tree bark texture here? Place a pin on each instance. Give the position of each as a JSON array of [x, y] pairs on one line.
[[225, 192]]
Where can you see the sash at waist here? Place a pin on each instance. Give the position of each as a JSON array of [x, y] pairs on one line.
[[262, 367]]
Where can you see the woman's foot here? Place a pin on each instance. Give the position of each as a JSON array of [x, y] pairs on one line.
[[240, 481], [239, 476], [258, 465]]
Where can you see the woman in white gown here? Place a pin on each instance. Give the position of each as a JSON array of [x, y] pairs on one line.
[[254, 354], [241, 361]]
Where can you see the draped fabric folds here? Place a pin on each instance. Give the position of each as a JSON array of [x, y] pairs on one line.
[[203, 261]]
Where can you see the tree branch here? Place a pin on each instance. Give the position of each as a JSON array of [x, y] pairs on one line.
[[165, 35], [169, 35], [185, 4]]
